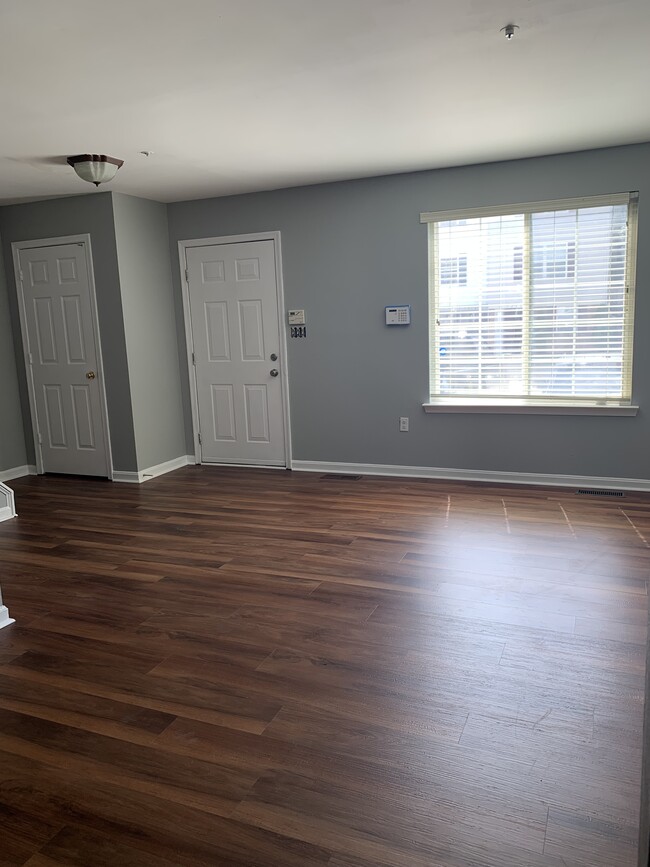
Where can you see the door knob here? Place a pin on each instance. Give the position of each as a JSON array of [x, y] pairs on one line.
[[273, 356], [273, 372], [91, 374]]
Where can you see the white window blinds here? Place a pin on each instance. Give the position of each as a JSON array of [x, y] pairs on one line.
[[533, 301]]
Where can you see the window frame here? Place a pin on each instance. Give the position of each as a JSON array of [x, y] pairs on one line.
[[532, 403]]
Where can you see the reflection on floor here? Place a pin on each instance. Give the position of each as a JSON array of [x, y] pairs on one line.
[[233, 667]]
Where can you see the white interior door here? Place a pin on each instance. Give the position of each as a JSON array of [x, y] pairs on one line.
[[62, 358], [236, 341]]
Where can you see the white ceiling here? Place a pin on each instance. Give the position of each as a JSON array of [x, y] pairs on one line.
[[240, 95]]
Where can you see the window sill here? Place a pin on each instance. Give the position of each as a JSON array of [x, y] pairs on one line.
[[500, 406]]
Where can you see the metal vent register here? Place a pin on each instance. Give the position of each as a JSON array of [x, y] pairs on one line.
[[597, 493]]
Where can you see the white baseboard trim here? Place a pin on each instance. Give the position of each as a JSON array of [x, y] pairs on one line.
[[5, 620], [251, 466], [600, 482], [152, 472], [124, 476], [17, 472]]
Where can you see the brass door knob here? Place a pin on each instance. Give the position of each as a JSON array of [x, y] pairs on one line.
[[91, 374]]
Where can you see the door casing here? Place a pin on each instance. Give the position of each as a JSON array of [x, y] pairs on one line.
[[84, 241], [189, 340]]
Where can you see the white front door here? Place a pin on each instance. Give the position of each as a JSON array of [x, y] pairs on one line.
[[236, 341], [62, 358]]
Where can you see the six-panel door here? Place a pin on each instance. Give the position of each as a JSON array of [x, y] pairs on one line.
[[63, 359], [235, 331]]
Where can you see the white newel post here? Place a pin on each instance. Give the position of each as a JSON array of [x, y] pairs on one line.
[[7, 506], [7, 510], [5, 620]]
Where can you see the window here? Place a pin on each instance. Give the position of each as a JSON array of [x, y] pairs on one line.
[[554, 260], [453, 270], [533, 302], [518, 264]]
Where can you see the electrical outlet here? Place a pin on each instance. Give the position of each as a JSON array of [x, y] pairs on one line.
[[404, 423]]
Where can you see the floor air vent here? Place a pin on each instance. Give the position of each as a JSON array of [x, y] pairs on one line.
[[598, 493], [341, 477]]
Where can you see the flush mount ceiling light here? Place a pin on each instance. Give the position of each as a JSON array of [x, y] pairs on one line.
[[95, 168], [509, 31]]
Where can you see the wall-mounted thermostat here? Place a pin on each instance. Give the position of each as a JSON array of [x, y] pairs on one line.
[[296, 317], [398, 315]]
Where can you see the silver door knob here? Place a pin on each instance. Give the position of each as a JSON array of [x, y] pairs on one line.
[[91, 374], [274, 372]]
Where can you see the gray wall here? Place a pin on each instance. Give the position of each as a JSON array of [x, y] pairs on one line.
[[141, 234], [12, 436], [351, 248], [75, 215]]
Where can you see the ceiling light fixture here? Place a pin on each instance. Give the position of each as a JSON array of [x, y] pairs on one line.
[[509, 31], [95, 168]]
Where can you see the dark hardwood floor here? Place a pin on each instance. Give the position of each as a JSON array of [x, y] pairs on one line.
[[233, 667]]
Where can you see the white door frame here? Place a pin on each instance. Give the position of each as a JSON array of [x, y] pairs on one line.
[[83, 241], [189, 339]]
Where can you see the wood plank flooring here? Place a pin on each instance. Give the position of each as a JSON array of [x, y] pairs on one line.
[[234, 667]]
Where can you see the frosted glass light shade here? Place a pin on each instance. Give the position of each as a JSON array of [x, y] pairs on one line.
[[95, 168]]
